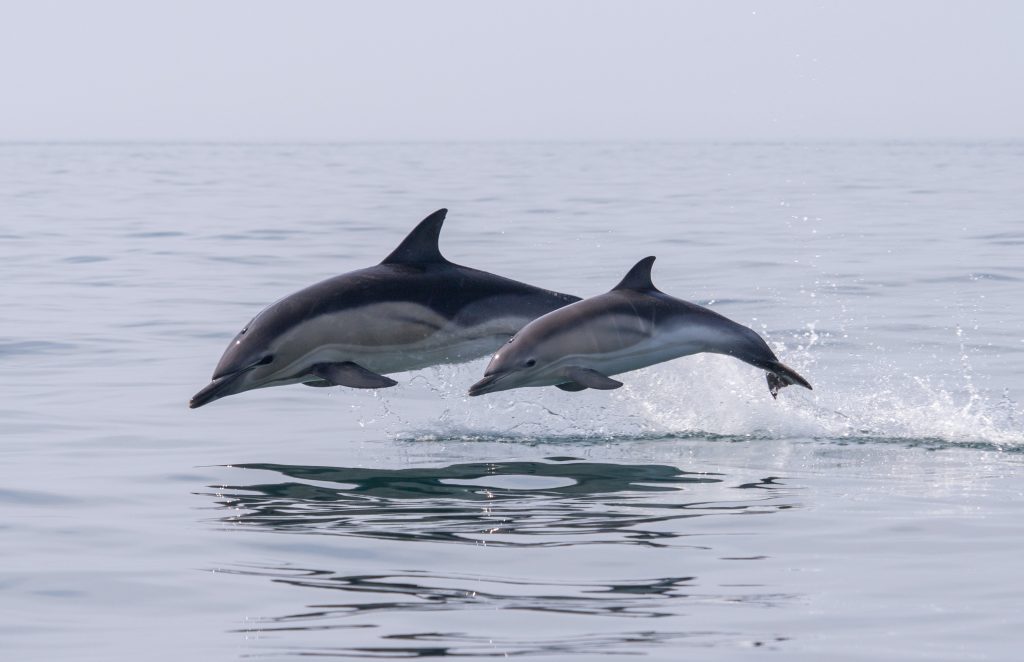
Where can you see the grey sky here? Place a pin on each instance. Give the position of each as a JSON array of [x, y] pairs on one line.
[[524, 70]]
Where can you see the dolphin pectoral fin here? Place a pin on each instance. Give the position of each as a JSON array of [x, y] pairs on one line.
[[571, 386], [781, 376], [318, 384], [350, 374], [588, 378]]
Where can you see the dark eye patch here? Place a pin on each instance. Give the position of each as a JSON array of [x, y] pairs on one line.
[[266, 359], [531, 363]]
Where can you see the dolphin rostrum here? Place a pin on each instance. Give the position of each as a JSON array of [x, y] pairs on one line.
[[631, 327], [415, 309]]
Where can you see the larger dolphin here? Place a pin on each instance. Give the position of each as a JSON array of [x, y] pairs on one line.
[[631, 327], [415, 309]]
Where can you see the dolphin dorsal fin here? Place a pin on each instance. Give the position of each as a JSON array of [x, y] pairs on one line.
[[639, 277], [420, 246]]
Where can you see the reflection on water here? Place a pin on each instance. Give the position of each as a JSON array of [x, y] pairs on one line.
[[423, 591], [464, 645], [546, 514], [557, 502]]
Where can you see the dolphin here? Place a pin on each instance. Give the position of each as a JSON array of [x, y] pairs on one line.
[[631, 327], [415, 309]]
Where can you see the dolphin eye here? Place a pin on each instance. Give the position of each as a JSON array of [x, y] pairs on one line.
[[266, 360], [531, 363]]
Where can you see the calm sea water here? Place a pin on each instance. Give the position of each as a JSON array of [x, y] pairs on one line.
[[686, 514]]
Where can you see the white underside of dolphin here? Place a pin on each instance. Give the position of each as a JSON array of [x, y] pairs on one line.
[[665, 345], [633, 326], [448, 344]]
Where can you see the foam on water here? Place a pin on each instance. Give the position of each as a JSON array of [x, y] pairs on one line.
[[717, 396]]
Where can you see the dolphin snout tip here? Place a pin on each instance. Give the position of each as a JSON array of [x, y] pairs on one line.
[[212, 391], [198, 400], [483, 386]]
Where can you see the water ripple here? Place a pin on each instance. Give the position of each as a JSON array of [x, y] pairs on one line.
[[495, 504], [423, 591], [32, 347], [460, 644], [369, 596], [560, 503]]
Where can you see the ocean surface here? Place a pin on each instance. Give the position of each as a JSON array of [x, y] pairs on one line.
[[686, 515]]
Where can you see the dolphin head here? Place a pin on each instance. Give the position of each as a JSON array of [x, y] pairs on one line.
[[255, 357], [520, 362]]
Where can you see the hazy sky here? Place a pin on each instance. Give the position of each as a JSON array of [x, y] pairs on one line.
[[523, 70]]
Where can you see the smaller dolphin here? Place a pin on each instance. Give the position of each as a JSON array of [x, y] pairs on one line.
[[414, 309], [631, 327]]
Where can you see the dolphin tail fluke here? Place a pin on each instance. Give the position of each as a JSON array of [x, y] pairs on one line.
[[780, 375]]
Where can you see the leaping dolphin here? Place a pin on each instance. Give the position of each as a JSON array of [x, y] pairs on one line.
[[631, 327], [415, 309]]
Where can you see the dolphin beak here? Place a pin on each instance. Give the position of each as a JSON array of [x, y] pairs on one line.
[[489, 384], [215, 390]]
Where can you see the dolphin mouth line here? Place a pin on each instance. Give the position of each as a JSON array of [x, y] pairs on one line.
[[215, 389], [488, 384]]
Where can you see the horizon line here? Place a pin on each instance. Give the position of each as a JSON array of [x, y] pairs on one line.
[[507, 141]]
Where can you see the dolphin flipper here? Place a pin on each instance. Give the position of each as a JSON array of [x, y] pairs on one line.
[[318, 384], [571, 386], [588, 378], [350, 374]]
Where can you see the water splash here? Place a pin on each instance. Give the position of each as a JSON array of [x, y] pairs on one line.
[[719, 397]]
